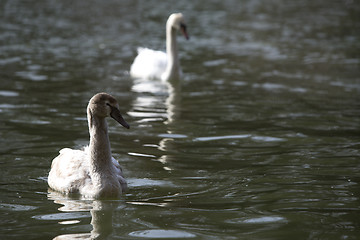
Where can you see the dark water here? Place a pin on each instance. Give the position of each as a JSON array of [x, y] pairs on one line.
[[259, 141]]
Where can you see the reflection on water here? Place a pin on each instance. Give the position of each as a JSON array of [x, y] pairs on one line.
[[173, 102], [159, 95], [101, 216], [173, 106]]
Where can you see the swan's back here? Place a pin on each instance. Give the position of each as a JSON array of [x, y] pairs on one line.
[[149, 64], [70, 171]]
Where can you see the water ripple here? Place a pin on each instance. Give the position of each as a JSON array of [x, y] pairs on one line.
[[9, 94], [62, 216], [258, 220], [162, 233], [17, 207], [241, 136]]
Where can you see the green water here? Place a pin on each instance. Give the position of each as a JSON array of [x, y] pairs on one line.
[[260, 140]]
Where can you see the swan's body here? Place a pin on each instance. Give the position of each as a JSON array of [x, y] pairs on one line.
[[92, 171], [151, 64]]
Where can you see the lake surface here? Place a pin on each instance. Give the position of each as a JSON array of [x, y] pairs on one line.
[[259, 140]]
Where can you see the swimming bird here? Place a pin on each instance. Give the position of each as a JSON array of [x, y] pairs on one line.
[[151, 64], [91, 171]]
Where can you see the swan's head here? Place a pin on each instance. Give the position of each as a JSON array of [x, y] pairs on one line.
[[104, 105], [176, 21]]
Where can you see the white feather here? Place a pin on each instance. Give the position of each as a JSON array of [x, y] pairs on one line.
[[149, 64]]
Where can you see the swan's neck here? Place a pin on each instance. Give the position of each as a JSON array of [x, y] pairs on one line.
[[99, 147], [172, 68]]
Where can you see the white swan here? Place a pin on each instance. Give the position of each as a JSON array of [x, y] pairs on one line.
[[150, 64], [92, 172]]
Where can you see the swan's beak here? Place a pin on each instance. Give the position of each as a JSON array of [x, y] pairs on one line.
[[115, 114], [183, 30]]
